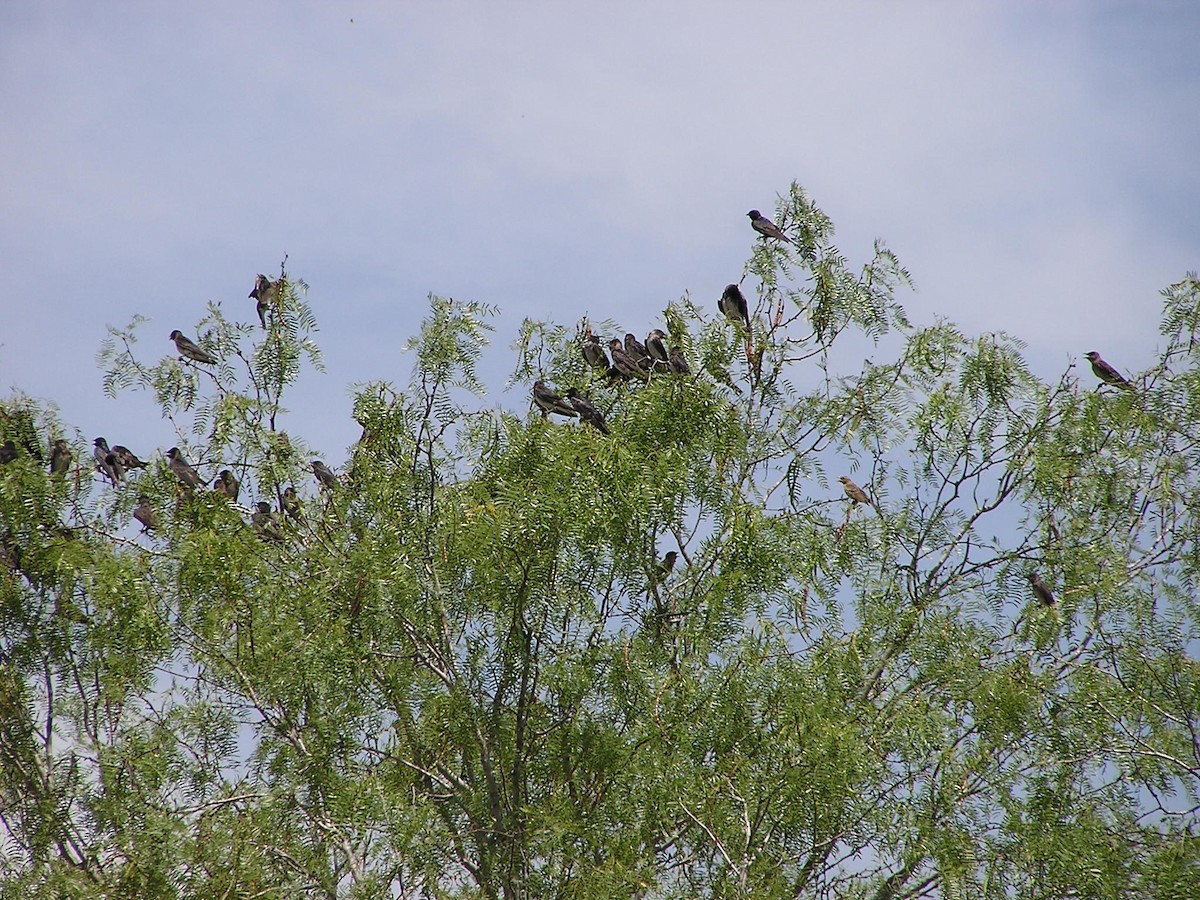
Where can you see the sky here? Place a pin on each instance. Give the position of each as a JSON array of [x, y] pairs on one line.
[[1033, 164]]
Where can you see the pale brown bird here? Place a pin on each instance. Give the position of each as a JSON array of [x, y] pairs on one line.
[[265, 291], [190, 349], [145, 514], [854, 492], [265, 523], [1041, 590], [593, 353], [60, 458], [226, 484]]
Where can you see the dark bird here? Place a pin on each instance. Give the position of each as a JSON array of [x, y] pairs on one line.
[[1041, 590], [186, 475], [145, 514], [586, 411], [106, 462], [766, 227], [189, 348], [638, 352], [679, 365], [854, 492], [549, 402], [324, 475], [733, 305], [656, 346], [8, 452], [265, 291], [18, 423], [265, 523], [290, 504], [60, 458], [1107, 373], [625, 364], [126, 458], [226, 484], [664, 567], [593, 353]]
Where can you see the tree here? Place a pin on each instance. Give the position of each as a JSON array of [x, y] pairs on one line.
[[463, 671]]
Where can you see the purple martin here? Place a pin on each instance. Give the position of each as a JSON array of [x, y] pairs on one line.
[[593, 353], [60, 458], [549, 402], [733, 305], [679, 365], [290, 504], [664, 567], [189, 348], [265, 291], [854, 492], [106, 462], [126, 458], [766, 227], [226, 484], [186, 475], [656, 346], [145, 514], [8, 452], [1107, 373], [638, 352], [324, 475], [265, 523], [1041, 590], [115, 467], [625, 364], [587, 412]]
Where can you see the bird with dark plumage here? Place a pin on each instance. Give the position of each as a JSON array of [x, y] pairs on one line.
[[656, 346], [1107, 373], [733, 305], [593, 353], [290, 504], [1041, 590], [226, 484], [265, 523], [549, 402], [664, 567], [854, 492], [586, 411], [185, 474], [190, 349], [625, 364], [324, 474], [265, 291], [126, 458], [637, 352], [108, 464], [60, 458], [679, 365], [145, 514], [8, 452], [766, 227]]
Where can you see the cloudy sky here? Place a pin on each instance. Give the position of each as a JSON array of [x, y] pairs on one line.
[[1033, 164]]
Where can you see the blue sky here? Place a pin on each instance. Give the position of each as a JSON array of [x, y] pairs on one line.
[[1034, 165]]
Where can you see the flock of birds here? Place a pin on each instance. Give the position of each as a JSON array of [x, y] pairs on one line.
[[625, 360]]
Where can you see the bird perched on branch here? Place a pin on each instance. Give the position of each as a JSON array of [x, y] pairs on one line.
[[586, 411], [60, 458], [265, 292], [185, 474], [126, 458], [226, 484], [664, 567], [549, 402], [1041, 590], [637, 352], [733, 305], [625, 364], [656, 346], [107, 462], [265, 523], [854, 492], [145, 514], [679, 365], [290, 504], [324, 475], [593, 353], [766, 227], [1107, 373], [190, 349]]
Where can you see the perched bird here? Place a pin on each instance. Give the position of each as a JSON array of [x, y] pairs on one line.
[[1107, 373], [766, 227], [126, 458], [664, 567], [18, 423], [60, 458], [106, 462], [1041, 590], [733, 305], [8, 452], [290, 504], [638, 352], [186, 475], [145, 514], [586, 411], [625, 364], [549, 402], [593, 353], [189, 348], [679, 365], [854, 492], [265, 291], [656, 346], [226, 484], [265, 523], [324, 475]]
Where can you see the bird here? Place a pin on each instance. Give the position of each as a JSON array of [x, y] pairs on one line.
[[145, 514], [593, 353], [1107, 373], [264, 522], [656, 346], [766, 227], [226, 484], [324, 475], [638, 352], [265, 291], [8, 452], [290, 504], [60, 458], [625, 364], [126, 458], [106, 462], [587, 412], [19, 424], [733, 305], [549, 402], [1041, 590], [186, 475], [679, 365], [189, 348], [854, 492], [664, 567]]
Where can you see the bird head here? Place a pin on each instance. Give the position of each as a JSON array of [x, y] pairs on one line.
[[754, 214], [176, 334], [101, 442], [1091, 356], [173, 453]]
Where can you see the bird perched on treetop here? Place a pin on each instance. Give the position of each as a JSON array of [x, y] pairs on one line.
[[656, 346], [145, 514], [1041, 589], [126, 458], [186, 475], [664, 567], [324, 474], [60, 458], [733, 305], [189, 348], [766, 227], [106, 462], [549, 402], [637, 352], [1107, 373], [8, 451], [625, 364], [593, 353], [265, 523], [290, 504], [265, 291], [586, 411], [679, 365], [226, 484], [854, 492]]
